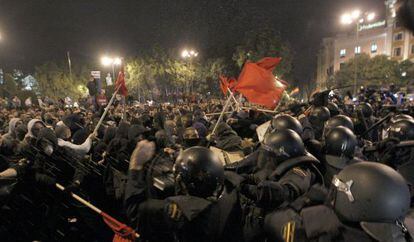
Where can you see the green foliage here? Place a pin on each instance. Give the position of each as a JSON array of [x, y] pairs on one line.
[[53, 80], [377, 71], [161, 72], [264, 43]]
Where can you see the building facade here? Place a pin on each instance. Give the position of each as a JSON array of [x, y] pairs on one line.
[[383, 37]]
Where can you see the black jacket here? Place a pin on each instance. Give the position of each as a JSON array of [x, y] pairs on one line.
[[185, 218]]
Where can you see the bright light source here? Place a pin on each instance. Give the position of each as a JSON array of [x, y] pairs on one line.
[[355, 14], [346, 18], [185, 54], [106, 61], [117, 61], [371, 16], [196, 54], [192, 52], [404, 74]]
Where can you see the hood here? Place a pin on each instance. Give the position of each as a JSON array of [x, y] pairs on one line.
[[109, 134], [122, 131], [12, 126], [30, 126]]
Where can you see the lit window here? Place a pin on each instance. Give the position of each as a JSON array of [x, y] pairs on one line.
[[374, 48], [398, 36], [357, 49], [342, 53], [397, 51]]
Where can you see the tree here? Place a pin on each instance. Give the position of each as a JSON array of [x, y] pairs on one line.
[[376, 71], [264, 43], [53, 80]]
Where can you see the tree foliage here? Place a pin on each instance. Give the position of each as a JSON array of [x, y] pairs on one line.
[[264, 43], [377, 71], [53, 80]]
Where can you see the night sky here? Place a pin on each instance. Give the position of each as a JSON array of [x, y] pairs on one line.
[[35, 31]]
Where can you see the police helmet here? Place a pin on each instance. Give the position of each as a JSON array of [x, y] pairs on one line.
[[283, 145], [365, 109], [370, 192], [198, 172], [285, 121], [333, 109], [340, 144], [319, 115], [339, 120], [402, 129]]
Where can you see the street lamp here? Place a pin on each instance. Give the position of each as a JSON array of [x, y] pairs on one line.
[[111, 61], [189, 55], [356, 17]]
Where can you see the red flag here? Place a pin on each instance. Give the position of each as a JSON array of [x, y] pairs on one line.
[[120, 83], [123, 233], [258, 84], [225, 83]]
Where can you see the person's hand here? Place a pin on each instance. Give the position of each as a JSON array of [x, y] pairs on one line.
[[169, 151], [143, 152], [92, 135]]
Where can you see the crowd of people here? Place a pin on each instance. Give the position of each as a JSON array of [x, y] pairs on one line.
[[336, 168]]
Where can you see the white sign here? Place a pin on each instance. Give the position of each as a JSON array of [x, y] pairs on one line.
[[261, 130], [227, 158], [371, 26], [96, 74]]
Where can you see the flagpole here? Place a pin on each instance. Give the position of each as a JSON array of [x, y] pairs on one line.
[[88, 204], [234, 99], [106, 110], [222, 113]]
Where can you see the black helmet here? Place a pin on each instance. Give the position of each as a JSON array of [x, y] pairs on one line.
[[399, 117], [285, 121], [319, 115], [283, 145], [370, 192], [340, 146], [339, 120], [365, 109], [198, 172], [402, 129], [333, 108]]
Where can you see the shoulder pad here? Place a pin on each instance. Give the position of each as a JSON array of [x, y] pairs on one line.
[[190, 206], [315, 226], [290, 163]]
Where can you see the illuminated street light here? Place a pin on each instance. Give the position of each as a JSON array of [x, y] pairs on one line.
[[355, 14], [117, 61], [111, 61], [355, 17], [189, 53], [371, 16]]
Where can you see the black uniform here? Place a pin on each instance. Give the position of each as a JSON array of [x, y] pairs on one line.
[[186, 218]]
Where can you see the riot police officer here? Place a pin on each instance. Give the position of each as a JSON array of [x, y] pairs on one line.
[[204, 209], [353, 214]]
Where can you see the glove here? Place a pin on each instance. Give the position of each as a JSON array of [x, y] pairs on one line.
[[45, 179], [270, 194], [72, 188], [387, 144], [250, 191]]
